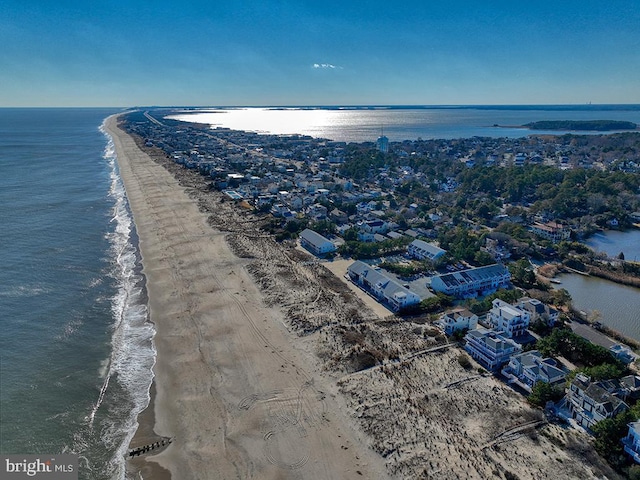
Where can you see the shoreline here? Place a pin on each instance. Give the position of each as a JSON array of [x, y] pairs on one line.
[[240, 395], [263, 361]]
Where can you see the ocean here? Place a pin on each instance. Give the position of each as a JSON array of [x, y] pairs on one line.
[[75, 349]]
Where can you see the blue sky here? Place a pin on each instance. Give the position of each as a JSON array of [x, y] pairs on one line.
[[298, 52]]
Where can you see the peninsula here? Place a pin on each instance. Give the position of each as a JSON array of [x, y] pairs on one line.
[[585, 125], [271, 363]]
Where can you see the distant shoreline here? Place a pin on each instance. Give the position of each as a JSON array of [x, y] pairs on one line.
[[577, 126]]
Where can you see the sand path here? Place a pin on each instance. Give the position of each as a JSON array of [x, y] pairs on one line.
[[233, 390]]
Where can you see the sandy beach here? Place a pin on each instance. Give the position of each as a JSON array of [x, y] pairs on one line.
[[271, 365], [240, 396]]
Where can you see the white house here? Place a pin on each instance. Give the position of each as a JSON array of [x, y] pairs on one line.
[[489, 348], [316, 243], [456, 320], [422, 250], [527, 368], [508, 319], [482, 280], [388, 291], [632, 441]]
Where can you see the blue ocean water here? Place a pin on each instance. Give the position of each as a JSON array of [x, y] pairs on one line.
[[75, 345]]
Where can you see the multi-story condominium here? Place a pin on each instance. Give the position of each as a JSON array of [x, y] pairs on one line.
[[422, 250], [388, 291], [590, 402], [632, 441], [457, 320], [527, 368], [508, 319], [469, 283], [489, 348], [316, 243], [553, 231]]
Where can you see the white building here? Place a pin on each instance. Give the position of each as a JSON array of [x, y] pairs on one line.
[[388, 291], [509, 319], [632, 441], [527, 368], [457, 320], [316, 243], [422, 250], [482, 280], [489, 348]]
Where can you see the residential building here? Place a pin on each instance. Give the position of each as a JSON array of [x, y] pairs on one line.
[[590, 402], [553, 231], [457, 320], [470, 283], [422, 250], [622, 353], [538, 310], [489, 348], [509, 319], [316, 243], [527, 368], [386, 290], [382, 144], [317, 212], [632, 441]]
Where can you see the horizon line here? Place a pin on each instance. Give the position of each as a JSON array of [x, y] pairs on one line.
[[334, 106]]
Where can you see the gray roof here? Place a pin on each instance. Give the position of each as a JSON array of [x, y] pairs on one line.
[[314, 238], [389, 286], [472, 275], [429, 247]]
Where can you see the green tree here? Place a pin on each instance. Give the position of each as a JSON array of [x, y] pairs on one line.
[[542, 392]]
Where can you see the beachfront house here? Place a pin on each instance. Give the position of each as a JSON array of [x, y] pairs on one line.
[[590, 402], [632, 441], [422, 250], [527, 368], [456, 320], [316, 243], [508, 319], [386, 290], [472, 282], [490, 349]]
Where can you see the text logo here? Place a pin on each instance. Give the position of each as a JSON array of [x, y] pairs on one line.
[[46, 467]]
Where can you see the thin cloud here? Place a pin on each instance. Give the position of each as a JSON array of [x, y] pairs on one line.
[[326, 66]]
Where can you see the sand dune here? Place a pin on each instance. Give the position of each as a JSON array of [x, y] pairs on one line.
[[240, 397], [271, 366]]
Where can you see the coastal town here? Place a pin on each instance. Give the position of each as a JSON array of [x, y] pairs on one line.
[[452, 247]]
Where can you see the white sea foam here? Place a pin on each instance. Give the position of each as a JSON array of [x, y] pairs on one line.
[[133, 352]]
